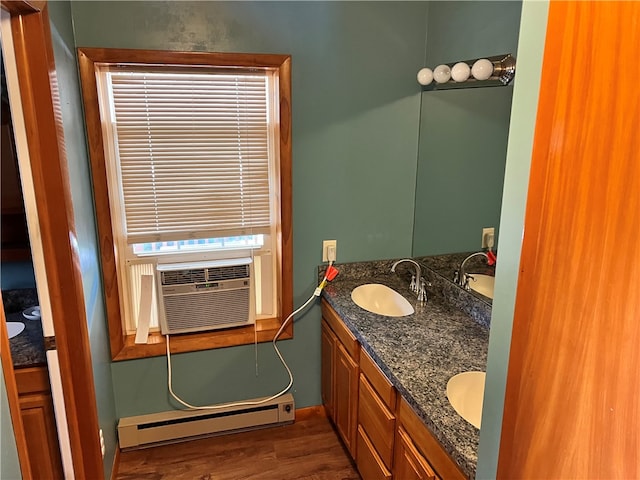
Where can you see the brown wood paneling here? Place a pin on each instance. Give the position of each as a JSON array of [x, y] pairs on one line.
[[345, 336], [42, 440], [378, 380], [370, 466], [12, 397], [42, 116], [427, 444], [571, 408], [346, 397], [377, 421], [327, 370], [32, 380]]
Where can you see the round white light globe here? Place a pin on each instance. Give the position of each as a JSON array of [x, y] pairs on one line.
[[442, 74], [482, 69], [460, 72], [425, 76]]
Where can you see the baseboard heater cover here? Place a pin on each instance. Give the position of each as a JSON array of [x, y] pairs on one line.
[[168, 427]]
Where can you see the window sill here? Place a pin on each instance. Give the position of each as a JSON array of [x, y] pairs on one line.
[[193, 342]]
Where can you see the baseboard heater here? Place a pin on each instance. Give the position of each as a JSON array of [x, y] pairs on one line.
[[169, 427]]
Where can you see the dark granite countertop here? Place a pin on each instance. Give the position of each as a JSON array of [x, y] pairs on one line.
[[27, 348], [419, 353]]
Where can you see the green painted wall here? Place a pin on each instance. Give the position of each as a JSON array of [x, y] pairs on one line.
[[525, 103], [81, 191], [463, 133], [9, 463], [355, 135]]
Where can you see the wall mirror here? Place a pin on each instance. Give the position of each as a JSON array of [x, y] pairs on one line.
[[463, 132]]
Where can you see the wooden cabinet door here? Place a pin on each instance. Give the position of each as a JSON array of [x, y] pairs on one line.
[[370, 465], [328, 347], [346, 397], [409, 464], [42, 441]]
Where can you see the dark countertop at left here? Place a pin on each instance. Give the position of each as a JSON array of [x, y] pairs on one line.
[[418, 352], [27, 348]]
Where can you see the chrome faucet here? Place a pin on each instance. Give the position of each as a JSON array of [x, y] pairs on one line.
[[418, 284], [460, 277]]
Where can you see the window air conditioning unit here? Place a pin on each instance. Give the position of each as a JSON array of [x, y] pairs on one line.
[[202, 296]]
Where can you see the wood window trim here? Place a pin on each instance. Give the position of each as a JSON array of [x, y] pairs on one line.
[[122, 345]]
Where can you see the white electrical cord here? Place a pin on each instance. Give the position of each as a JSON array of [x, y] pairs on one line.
[[316, 293]]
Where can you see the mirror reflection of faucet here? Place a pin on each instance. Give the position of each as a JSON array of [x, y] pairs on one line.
[[461, 277], [418, 284]]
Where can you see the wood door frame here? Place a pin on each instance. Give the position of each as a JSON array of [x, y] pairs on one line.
[[41, 108], [572, 382]]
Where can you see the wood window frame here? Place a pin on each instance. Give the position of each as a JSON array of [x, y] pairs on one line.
[[122, 345]]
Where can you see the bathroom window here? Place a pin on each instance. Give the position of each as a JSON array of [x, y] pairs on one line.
[[191, 161]]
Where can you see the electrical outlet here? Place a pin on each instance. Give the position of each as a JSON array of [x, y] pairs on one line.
[[329, 249], [488, 237]]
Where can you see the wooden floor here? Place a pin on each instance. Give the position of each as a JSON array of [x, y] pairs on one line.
[[307, 450]]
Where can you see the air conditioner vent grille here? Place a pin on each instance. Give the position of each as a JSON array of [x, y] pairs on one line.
[[202, 310], [181, 277], [227, 273]]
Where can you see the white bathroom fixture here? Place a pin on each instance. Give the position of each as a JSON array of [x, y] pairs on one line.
[[380, 299], [465, 392], [497, 70], [14, 328], [168, 427], [482, 284]]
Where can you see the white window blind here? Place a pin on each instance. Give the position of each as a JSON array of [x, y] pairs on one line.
[[193, 153]]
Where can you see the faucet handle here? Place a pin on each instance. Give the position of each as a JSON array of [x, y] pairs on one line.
[[422, 290], [465, 281], [456, 277], [413, 286]]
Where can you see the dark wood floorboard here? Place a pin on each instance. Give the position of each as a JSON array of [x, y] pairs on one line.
[[307, 450]]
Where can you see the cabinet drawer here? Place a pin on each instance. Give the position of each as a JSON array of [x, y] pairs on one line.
[[369, 464], [409, 463], [427, 444], [378, 380], [377, 421], [339, 328]]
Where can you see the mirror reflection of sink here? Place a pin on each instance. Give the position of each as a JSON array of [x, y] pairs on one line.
[[14, 328], [482, 284], [382, 300], [465, 392]]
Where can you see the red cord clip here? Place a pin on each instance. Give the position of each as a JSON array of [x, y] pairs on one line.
[[331, 273], [491, 258]]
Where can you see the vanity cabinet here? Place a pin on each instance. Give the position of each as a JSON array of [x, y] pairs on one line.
[[36, 408], [376, 421], [381, 431], [340, 370], [409, 462], [418, 454]]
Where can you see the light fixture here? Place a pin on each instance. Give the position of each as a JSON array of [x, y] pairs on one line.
[[442, 73], [497, 70], [425, 76], [460, 72], [482, 69]]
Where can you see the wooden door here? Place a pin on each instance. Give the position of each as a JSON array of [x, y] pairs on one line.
[[56, 238], [572, 408], [409, 464], [346, 397], [328, 349]]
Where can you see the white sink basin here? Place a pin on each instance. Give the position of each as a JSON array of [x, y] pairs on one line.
[[465, 392], [14, 328], [382, 300], [482, 284]]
